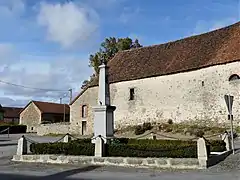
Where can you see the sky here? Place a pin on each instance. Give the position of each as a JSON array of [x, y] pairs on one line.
[[45, 44]]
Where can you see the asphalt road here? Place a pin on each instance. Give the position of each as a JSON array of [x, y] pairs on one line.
[[228, 169], [22, 171]]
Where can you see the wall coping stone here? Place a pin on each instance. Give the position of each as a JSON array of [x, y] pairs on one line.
[[175, 163]]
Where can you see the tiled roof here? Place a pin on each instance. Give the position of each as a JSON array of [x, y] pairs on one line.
[[48, 107], [11, 112], [213, 48]]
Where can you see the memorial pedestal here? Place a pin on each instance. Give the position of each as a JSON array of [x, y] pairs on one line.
[[103, 122]]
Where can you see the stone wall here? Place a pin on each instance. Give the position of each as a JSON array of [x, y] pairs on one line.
[[89, 98], [177, 163], [56, 128], [31, 117], [195, 96]]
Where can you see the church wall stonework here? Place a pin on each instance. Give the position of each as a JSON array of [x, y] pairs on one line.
[[195, 96]]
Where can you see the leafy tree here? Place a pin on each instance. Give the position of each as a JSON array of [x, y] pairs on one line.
[[109, 47], [124, 44], [136, 44], [107, 50], [94, 61]]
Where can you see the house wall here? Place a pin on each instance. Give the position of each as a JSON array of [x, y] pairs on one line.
[[55, 118], [56, 128], [31, 117], [11, 120], [196, 96], [88, 98]]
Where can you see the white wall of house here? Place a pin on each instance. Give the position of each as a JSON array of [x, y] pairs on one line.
[[195, 96]]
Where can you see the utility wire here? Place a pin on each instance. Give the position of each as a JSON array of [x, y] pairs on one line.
[[27, 87]]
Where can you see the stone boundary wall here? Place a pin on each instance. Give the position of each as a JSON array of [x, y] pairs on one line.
[[177, 163], [56, 128]]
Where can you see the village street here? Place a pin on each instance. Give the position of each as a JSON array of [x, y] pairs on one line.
[[228, 169]]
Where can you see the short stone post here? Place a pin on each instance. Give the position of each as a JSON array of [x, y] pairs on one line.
[[66, 138], [226, 138], [22, 146], [153, 136], [202, 152], [99, 147]]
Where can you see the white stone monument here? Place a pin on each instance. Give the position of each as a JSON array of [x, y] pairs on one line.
[[103, 112]]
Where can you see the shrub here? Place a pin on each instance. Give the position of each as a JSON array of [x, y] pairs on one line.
[[13, 129], [198, 133], [216, 145], [81, 141], [71, 148], [153, 150], [147, 126], [170, 121], [139, 130], [168, 129], [125, 147], [120, 141], [160, 142], [237, 129], [164, 126]]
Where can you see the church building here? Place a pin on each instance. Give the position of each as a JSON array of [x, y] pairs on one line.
[[183, 80]]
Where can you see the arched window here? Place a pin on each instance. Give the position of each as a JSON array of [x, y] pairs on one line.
[[84, 111], [234, 77]]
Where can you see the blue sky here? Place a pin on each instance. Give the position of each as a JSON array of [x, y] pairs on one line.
[[47, 43]]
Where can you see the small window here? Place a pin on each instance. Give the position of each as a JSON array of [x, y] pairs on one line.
[[234, 77], [202, 83], [84, 127], [131, 94], [84, 111]]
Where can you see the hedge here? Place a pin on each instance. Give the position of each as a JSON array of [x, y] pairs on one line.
[[137, 150], [70, 148], [215, 145], [124, 147], [13, 129], [123, 150]]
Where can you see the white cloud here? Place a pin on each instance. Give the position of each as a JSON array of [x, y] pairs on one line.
[[37, 65], [51, 72], [68, 24]]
